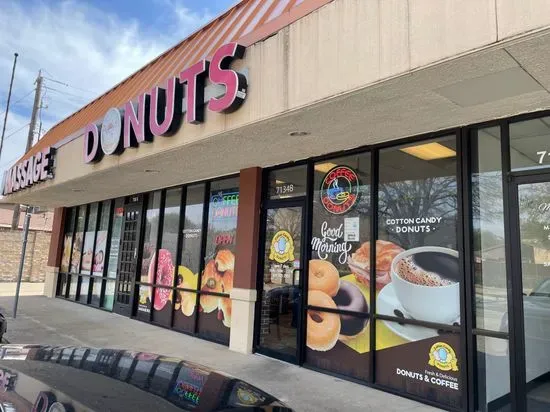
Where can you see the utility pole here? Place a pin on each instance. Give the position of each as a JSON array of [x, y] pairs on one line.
[[22, 259], [35, 109], [8, 103], [30, 137]]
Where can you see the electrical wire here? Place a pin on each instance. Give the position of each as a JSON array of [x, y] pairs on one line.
[[68, 85], [18, 130], [66, 93], [22, 98]]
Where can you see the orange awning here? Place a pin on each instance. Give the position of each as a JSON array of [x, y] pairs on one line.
[[247, 22]]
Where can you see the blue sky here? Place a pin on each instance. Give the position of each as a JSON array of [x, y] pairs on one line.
[[89, 45]]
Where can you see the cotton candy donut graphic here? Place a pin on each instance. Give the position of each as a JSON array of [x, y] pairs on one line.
[[326, 290]]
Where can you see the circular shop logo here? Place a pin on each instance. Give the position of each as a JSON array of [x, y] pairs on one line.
[[111, 130], [282, 247], [339, 190], [443, 357]]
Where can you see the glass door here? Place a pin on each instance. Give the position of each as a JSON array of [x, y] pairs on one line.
[[128, 259], [282, 282], [533, 265]]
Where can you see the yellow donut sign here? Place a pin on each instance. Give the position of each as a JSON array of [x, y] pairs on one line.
[[443, 357], [282, 247]]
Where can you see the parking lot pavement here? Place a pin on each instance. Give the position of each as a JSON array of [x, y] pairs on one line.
[[58, 322]]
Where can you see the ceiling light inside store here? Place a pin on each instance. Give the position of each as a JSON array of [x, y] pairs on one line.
[[324, 167], [298, 133], [429, 151]]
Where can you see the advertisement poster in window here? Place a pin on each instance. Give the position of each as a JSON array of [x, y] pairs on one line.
[[162, 297], [65, 259], [114, 248], [99, 255], [77, 250], [338, 340], [87, 253], [188, 270], [417, 272], [144, 303], [217, 277]]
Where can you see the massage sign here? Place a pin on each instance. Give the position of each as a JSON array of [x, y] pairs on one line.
[[35, 169], [159, 111]]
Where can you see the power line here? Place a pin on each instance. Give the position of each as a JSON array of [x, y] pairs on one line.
[[66, 93], [24, 97], [18, 130], [68, 85]]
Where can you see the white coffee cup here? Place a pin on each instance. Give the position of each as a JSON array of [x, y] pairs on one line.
[[439, 304]]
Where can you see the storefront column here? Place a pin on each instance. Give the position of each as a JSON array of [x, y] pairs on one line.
[[243, 295], [56, 250]]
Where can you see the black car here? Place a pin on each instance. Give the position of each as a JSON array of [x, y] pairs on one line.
[[52, 378], [3, 327]]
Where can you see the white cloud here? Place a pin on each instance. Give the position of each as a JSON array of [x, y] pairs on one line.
[[80, 45]]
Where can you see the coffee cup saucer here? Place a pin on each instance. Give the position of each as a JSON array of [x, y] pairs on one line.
[[387, 304]]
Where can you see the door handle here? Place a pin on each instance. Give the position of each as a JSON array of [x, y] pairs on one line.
[[294, 276]]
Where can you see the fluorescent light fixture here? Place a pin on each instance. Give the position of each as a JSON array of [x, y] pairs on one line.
[[324, 167], [429, 151], [280, 182]]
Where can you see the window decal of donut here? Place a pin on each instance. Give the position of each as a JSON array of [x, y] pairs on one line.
[[339, 190]]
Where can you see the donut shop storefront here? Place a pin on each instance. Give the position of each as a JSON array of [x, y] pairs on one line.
[[377, 210]]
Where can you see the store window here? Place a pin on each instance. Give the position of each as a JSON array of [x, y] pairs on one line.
[[88, 253], [113, 254], [190, 256], [529, 144], [166, 258], [338, 340], [288, 182], [417, 269], [77, 251], [489, 258], [492, 374], [427, 370], [70, 220], [147, 268], [100, 252], [219, 260], [489, 270]]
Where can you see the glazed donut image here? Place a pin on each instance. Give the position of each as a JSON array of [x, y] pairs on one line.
[[225, 260], [187, 302], [225, 309], [323, 276], [323, 328], [351, 298], [227, 280], [210, 282]]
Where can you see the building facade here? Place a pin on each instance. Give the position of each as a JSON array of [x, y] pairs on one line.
[[358, 187]]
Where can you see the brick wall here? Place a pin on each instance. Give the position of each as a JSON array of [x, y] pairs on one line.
[[36, 256]]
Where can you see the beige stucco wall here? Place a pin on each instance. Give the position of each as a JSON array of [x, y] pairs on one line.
[[344, 46]]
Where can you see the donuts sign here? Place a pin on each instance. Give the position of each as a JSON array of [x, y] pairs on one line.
[[339, 190], [159, 111]]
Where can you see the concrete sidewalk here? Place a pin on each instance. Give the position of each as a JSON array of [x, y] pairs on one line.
[[54, 321]]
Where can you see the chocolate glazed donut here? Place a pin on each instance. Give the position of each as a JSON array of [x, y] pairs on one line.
[[350, 298]]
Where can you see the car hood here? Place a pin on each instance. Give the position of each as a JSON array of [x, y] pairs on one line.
[[54, 378]]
